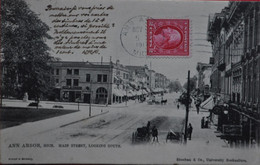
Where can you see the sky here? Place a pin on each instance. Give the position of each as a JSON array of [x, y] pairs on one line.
[[174, 68]]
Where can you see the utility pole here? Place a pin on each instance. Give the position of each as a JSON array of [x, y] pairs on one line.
[[126, 95], [90, 98], [110, 82], [187, 109]]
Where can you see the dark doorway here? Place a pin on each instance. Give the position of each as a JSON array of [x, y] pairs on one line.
[[86, 98], [71, 96]]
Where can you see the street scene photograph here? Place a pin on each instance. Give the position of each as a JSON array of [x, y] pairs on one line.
[[130, 82]]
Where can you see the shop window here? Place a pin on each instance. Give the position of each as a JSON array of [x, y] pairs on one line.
[[101, 95]]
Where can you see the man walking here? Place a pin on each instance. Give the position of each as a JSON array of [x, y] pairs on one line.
[[190, 129], [198, 102], [155, 134]]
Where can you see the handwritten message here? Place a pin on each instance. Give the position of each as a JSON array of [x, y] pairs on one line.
[[80, 28]]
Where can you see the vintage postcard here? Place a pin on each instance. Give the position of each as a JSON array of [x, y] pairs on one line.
[[130, 82]]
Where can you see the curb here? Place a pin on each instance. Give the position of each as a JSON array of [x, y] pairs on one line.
[[64, 125]]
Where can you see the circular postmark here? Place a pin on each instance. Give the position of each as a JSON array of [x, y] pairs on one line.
[[133, 36]]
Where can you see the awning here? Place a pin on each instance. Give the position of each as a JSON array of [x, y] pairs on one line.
[[130, 94], [122, 92], [133, 84], [208, 104], [138, 92], [117, 92]]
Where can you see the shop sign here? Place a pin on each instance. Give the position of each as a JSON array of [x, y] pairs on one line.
[[232, 130]]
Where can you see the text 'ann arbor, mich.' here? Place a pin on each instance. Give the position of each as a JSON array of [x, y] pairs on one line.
[[81, 28]]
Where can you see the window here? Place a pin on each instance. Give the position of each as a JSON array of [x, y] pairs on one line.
[[68, 82], [104, 78], [57, 71], [99, 78], [87, 77], [69, 71], [76, 71], [57, 81], [75, 82]]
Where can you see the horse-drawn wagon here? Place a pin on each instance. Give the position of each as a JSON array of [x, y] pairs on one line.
[[141, 135]]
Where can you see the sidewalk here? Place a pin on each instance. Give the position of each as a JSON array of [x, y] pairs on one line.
[[206, 136], [66, 105]]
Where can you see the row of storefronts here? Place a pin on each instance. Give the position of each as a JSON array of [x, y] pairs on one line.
[[235, 37], [103, 83]]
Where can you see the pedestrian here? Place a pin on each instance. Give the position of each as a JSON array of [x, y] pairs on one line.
[[155, 134], [202, 122], [178, 105], [206, 125], [190, 129], [198, 106], [148, 127]]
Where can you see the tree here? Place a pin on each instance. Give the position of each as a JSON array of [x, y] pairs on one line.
[[193, 83], [175, 86], [25, 54]]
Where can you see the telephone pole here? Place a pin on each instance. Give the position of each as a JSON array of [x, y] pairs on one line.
[[187, 109]]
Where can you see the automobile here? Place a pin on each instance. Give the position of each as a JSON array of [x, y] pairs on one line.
[[58, 106], [34, 104]]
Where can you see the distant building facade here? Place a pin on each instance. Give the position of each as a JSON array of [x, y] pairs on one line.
[[204, 73]]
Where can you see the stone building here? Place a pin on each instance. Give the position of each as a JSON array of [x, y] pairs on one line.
[[235, 37], [99, 83]]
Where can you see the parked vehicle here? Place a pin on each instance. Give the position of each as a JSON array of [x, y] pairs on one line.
[[174, 136], [34, 104], [57, 106]]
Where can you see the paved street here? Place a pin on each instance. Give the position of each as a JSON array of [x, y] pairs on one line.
[[114, 127]]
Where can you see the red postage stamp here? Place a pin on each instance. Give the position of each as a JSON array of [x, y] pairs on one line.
[[168, 37]]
